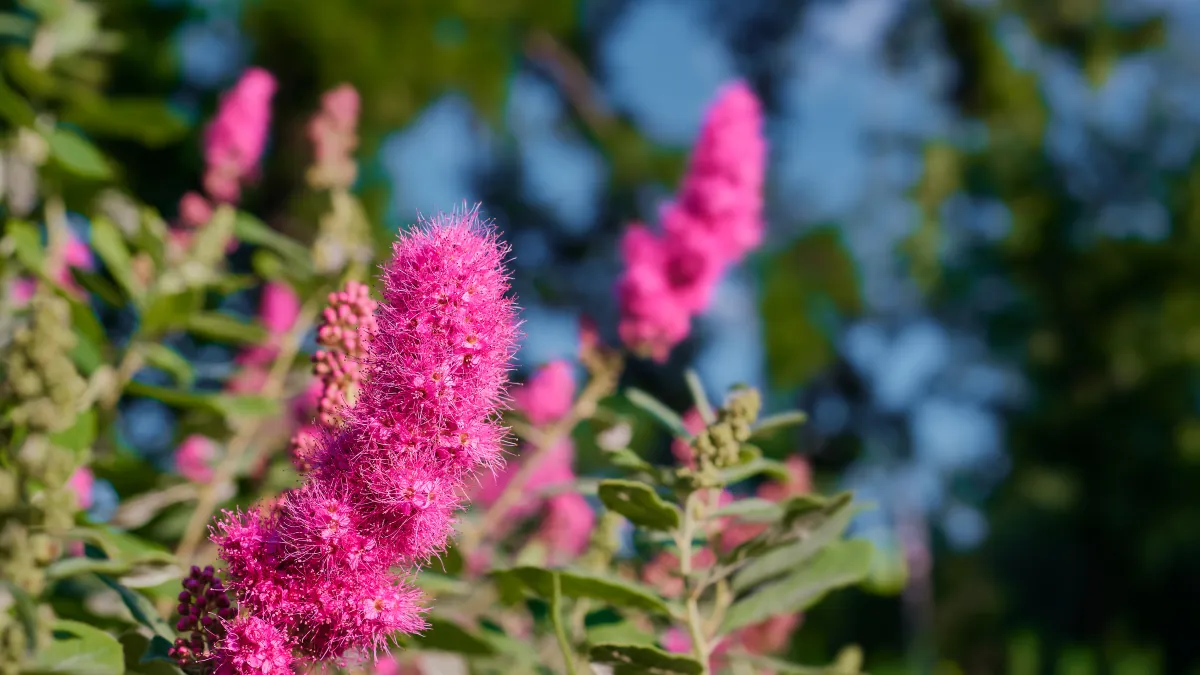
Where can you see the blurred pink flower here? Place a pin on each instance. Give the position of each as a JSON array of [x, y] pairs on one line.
[[555, 469], [194, 458], [714, 221], [81, 484], [194, 210], [235, 139], [694, 423], [277, 310], [332, 133], [567, 526], [75, 254], [548, 395], [769, 636]]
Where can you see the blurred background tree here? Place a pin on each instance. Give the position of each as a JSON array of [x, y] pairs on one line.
[[981, 277]]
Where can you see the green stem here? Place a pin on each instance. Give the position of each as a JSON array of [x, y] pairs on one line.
[[695, 624], [560, 630]]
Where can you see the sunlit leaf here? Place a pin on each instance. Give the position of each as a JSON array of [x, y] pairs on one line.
[[639, 503]]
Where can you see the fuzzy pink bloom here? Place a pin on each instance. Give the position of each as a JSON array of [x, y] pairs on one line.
[[385, 484], [548, 395], [194, 210], [332, 133], [715, 220], [567, 526], [194, 458], [234, 141], [81, 484], [254, 647]]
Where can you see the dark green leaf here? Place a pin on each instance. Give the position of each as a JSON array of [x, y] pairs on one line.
[[80, 435], [639, 503], [98, 285], [149, 655], [703, 406], [617, 592], [110, 247], [158, 649], [177, 398], [14, 107], [82, 650], [225, 328], [669, 418], [142, 609], [446, 636], [147, 120], [736, 474], [773, 423], [641, 659], [76, 566], [77, 155], [171, 362], [814, 528], [836, 566]]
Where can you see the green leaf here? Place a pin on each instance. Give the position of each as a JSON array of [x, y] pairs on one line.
[[26, 611], [635, 659], [141, 608], [14, 107], [80, 435], [169, 312], [751, 509], [81, 649], [839, 565], [110, 247], [148, 120], [624, 458], [703, 406], [251, 230], [77, 566], [773, 423], [619, 631], [148, 653], [669, 418], [246, 405], [225, 328], [177, 398], [171, 362], [639, 503], [617, 592], [77, 155], [122, 546], [771, 468], [816, 528], [446, 636], [27, 244], [97, 284]]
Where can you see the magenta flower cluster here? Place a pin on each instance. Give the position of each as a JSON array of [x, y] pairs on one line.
[[714, 221], [324, 573]]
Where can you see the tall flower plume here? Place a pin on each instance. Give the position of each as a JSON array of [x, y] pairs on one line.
[[313, 576], [234, 141], [714, 221]]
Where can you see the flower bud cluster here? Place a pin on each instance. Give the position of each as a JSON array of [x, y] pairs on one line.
[[204, 607]]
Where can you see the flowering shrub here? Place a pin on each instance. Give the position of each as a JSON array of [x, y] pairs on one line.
[[388, 503]]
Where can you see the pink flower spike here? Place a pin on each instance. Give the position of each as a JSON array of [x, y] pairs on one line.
[[548, 395], [194, 210], [278, 307], [317, 574], [567, 528], [194, 458], [81, 484], [714, 221], [234, 141]]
